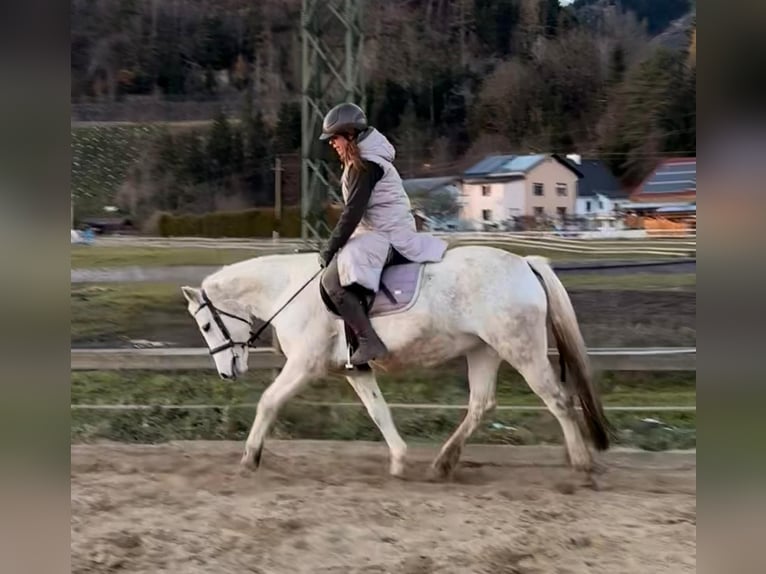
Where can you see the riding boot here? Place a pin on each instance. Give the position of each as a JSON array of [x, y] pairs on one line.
[[352, 310]]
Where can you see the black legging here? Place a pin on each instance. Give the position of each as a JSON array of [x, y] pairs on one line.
[[331, 280]]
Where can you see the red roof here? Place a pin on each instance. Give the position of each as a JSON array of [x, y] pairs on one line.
[[672, 179]]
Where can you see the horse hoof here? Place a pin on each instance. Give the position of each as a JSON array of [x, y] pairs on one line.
[[246, 462], [396, 470], [592, 483], [439, 472], [581, 461], [251, 460]]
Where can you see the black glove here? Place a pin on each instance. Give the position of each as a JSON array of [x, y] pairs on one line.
[[324, 259]]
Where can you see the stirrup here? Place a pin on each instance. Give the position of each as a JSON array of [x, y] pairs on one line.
[[349, 366]]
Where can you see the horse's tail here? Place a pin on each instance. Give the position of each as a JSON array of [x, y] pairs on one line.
[[572, 350]]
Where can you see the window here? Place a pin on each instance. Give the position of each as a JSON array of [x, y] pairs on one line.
[[587, 206], [485, 190], [486, 214], [561, 189], [537, 188], [561, 212], [600, 204], [538, 211]]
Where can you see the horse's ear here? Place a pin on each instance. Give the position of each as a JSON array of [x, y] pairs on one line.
[[192, 295]]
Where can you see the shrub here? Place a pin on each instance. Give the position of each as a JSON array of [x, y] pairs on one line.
[[256, 222]]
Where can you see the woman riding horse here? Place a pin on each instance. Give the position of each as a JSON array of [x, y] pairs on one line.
[[376, 224]]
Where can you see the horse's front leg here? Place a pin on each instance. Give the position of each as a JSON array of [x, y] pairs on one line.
[[366, 386], [294, 375]]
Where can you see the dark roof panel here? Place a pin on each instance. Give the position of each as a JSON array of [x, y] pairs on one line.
[[596, 178], [487, 165], [672, 176], [508, 165]]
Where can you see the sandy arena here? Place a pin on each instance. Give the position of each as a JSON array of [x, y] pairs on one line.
[[328, 507]]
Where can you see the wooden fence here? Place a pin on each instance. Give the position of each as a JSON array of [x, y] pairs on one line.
[[198, 358]]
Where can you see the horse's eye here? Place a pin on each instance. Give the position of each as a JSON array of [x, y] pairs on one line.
[[206, 327]]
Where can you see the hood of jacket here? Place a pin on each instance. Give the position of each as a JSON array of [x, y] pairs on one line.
[[374, 143]]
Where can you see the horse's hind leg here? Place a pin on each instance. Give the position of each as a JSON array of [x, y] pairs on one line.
[[528, 354], [483, 363], [366, 386]]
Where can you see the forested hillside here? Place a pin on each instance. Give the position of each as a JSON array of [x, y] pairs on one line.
[[447, 80]]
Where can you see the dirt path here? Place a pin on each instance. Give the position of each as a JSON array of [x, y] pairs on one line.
[[328, 507]]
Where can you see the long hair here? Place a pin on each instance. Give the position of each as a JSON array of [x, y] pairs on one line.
[[351, 156]]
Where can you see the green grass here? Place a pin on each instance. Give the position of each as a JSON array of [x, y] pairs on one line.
[[112, 312], [87, 256], [632, 281], [83, 256], [120, 311], [298, 420], [676, 430], [444, 385], [562, 256]]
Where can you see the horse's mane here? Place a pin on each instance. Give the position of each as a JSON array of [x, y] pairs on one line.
[[279, 266]]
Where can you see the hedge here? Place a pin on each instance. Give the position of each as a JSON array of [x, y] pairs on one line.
[[257, 222]]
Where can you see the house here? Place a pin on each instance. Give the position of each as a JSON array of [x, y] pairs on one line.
[[506, 187], [667, 197], [599, 193], [673, 181]]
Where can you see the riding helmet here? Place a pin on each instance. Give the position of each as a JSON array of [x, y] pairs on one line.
[[343, 118]]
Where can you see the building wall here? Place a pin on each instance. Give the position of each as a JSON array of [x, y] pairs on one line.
[[474, 202], [515, 196], [549, 173], [684, 196], [599, 205]]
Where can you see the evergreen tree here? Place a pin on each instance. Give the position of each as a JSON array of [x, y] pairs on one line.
[[288, 130], [219, 149], [617, 65]]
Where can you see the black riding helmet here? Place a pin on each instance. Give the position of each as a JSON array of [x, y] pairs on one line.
[[345, 118]]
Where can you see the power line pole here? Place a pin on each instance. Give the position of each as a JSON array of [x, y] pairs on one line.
[[277, 195], [332, 43]]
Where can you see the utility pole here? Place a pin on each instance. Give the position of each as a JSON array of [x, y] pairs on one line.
[[332, 42], [277, 195]]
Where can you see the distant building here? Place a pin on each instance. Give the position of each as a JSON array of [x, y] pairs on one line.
[[599, 193], [673, 181], [667, 197], [505, 187]]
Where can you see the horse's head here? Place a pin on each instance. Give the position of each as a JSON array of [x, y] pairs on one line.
[[226, 328]]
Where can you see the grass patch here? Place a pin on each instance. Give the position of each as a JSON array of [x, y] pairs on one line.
[[671, 431], [85, 256], [632, 281], [446, 385], [584, 255], [609, 314], [117, 312], [295, 421], [231, 421]]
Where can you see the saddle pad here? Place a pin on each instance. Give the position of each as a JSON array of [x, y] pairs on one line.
[[403, 282]]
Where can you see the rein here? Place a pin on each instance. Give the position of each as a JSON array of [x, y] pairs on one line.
[[216, 313]]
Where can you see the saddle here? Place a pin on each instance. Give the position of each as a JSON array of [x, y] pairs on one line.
[[400, 284]]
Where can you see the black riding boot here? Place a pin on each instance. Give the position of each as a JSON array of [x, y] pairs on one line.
[[351, 308]]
